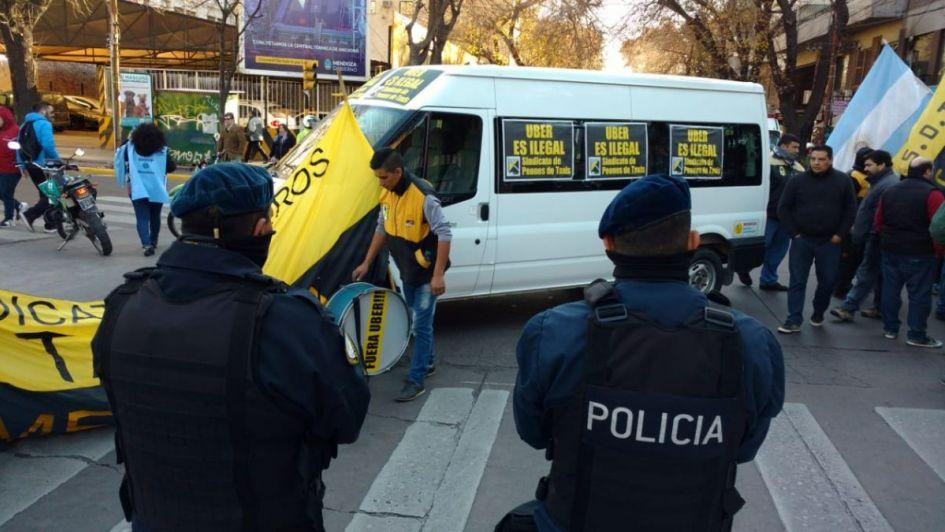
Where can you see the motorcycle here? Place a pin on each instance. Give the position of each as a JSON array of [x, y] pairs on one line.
[[72, 203]]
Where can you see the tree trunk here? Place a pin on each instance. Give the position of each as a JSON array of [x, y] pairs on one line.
[[19, 51], [224, 88]]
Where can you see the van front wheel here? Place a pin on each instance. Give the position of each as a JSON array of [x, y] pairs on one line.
[[705, 271]]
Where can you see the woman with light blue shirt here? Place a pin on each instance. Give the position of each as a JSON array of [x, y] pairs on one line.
[[141, 166]]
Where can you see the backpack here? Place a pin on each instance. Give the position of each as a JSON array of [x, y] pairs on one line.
[[30, 148]]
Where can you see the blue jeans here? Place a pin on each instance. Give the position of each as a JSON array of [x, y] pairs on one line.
[[917, 273], [7, 186], [148, 217], [422, 305], [867, 276], [825, 256], [777, 242], [941, 294]]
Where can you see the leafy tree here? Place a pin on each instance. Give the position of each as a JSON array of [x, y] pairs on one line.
[[550, 33]]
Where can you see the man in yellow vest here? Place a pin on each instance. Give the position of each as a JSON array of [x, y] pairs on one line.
[[412, 224]]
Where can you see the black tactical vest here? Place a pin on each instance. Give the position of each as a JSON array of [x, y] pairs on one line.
[[204, 448], [906, 220], [649, 440]]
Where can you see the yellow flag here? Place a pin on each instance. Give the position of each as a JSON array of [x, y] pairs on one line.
[[927, 138], [325, 215], [47, 384], [46, 343]]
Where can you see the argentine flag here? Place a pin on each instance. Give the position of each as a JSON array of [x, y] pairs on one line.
[[882, 111]]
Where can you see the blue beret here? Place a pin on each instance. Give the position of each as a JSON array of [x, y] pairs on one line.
[[233, 188], [645, 201]]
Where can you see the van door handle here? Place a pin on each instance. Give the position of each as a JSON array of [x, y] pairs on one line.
[[484, 212]]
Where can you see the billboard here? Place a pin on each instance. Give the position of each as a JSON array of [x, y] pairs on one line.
[[284, 34]]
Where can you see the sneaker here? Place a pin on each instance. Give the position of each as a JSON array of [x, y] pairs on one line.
[[872, 313], [927, 342], [410, 391], [744, 278], [841, 314], [940, 315], [7, 224], [817, 319], [49, 229], [890, 335], [789, 328], [148, 251], [773, 287], [431, 370]]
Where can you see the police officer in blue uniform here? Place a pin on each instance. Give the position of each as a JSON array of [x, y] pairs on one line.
[[644, 396], [230, 390]]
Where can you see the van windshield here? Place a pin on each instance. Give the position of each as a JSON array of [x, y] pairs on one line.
[[377, 123]]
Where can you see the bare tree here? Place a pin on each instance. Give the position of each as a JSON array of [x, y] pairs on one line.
[[18, 19], [783, 64], [229, 49], [438, 29], [743, 40]]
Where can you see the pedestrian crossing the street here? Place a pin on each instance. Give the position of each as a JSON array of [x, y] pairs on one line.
[[433, 475], [119, 213]]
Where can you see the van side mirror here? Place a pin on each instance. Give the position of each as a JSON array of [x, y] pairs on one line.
[[13, 145]]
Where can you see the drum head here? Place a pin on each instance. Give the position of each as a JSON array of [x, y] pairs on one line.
[[377, 320]]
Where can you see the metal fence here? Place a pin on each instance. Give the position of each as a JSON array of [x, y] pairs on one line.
[[282, 96]]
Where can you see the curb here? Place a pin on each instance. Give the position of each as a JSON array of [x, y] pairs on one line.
[[91, 170]]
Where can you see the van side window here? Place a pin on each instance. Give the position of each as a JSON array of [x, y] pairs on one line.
[[741, 158], [444, 149]]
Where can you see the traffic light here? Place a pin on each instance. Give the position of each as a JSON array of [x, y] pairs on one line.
[[308, 75]]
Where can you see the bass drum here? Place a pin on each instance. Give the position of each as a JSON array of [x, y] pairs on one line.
[[376, 320]]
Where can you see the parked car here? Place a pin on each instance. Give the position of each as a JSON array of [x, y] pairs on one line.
[[62, 118], [84, 112]]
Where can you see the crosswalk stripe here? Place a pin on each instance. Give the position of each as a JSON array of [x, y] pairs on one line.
[[39, 466], [812, 486], [455, 496], [924, 431], [436, 468], [407, 484]]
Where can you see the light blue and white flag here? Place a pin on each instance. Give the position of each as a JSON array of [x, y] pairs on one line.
[[882, 110]]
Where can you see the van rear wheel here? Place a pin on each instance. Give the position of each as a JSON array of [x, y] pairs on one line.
[[705, 271]]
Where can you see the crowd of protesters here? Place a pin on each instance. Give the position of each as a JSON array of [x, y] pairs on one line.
[[866, 232]]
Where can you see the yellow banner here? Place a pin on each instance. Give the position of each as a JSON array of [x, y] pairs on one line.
[[927, 138], [45, 343], [331, 190]]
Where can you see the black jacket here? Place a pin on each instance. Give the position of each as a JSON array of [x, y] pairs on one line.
[[282, 145], [818, 205], [782, 170]]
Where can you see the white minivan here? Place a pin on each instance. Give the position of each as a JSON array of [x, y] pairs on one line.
[[525, 160]]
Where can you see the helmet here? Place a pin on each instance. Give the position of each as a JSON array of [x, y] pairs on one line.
[[309, 120]]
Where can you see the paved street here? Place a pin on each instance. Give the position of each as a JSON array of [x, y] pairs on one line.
[[860, 445]]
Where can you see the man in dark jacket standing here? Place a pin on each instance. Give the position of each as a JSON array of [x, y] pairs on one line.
[[902, 220], [817, 209], [784, 166], [878, 166], [231, 391]]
